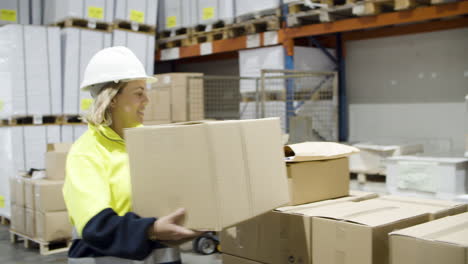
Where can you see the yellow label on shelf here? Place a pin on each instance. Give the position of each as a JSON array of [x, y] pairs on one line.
[[95, 12], [208, 13], [8, 15], [1, 105], [2, 202], [137, 16], [86, 104], [171, 21]]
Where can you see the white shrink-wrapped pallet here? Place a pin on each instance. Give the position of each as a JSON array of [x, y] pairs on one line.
[[79, 45], [245, 7], [427, 177], [176, 14], [138, 11], [212, 11], [15, 12], [11, 156], [70, 133], [91, 10], [30, 71], [142, 44]]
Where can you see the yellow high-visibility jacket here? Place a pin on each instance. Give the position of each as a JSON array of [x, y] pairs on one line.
[[97, 176], [97, 193]]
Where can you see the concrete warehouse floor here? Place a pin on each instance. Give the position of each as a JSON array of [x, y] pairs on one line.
[[17, 254]]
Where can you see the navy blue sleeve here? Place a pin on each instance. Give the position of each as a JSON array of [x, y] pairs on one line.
[[119, 236]]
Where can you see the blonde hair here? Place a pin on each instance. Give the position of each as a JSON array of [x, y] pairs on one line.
[[100, 112]]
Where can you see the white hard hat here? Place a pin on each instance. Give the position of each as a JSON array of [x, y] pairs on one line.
[[112, 65]]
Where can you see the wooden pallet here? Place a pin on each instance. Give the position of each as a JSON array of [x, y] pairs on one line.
[[259, 14], [296, 8], [322, 15], [41, 120], [4, 220], [71, 120], [365, 176], [375, 7], [259, 25], [134, 27], [31, 120], [45, 248], [202, 33], [86, 24], [170, 33]]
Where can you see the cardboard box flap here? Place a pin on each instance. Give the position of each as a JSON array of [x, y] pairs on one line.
[[58, 147], [354, 196], [310, 151], [364, 213], [383, 148], [362, 195], [451, 229], [442, 204]]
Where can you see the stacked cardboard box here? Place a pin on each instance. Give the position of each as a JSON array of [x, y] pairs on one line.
[[317, 171], [38, 207], [354, 229], [442, 241], [230, 259], [18, 209], [176, 97], [239, 164], [279, 236]]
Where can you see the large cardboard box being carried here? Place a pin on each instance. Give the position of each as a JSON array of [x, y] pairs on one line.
[[317, 171], [221, 172], [442, 241], [55, 159], [285, 233], [185, 94]]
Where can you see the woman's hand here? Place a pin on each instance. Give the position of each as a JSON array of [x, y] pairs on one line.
[[169, 228]]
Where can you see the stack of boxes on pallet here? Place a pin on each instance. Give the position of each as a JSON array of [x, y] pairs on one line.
[[41, 68], [24, 148], [38, 208], [176, 97]]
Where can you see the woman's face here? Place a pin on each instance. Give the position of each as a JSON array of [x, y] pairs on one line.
[[128, 106]]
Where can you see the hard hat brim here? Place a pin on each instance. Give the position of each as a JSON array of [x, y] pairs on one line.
[[149, 80]]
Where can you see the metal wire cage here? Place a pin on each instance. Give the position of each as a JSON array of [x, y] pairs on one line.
[[305, 101]]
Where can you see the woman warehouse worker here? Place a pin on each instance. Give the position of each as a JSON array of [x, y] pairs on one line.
[[97, 187]]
